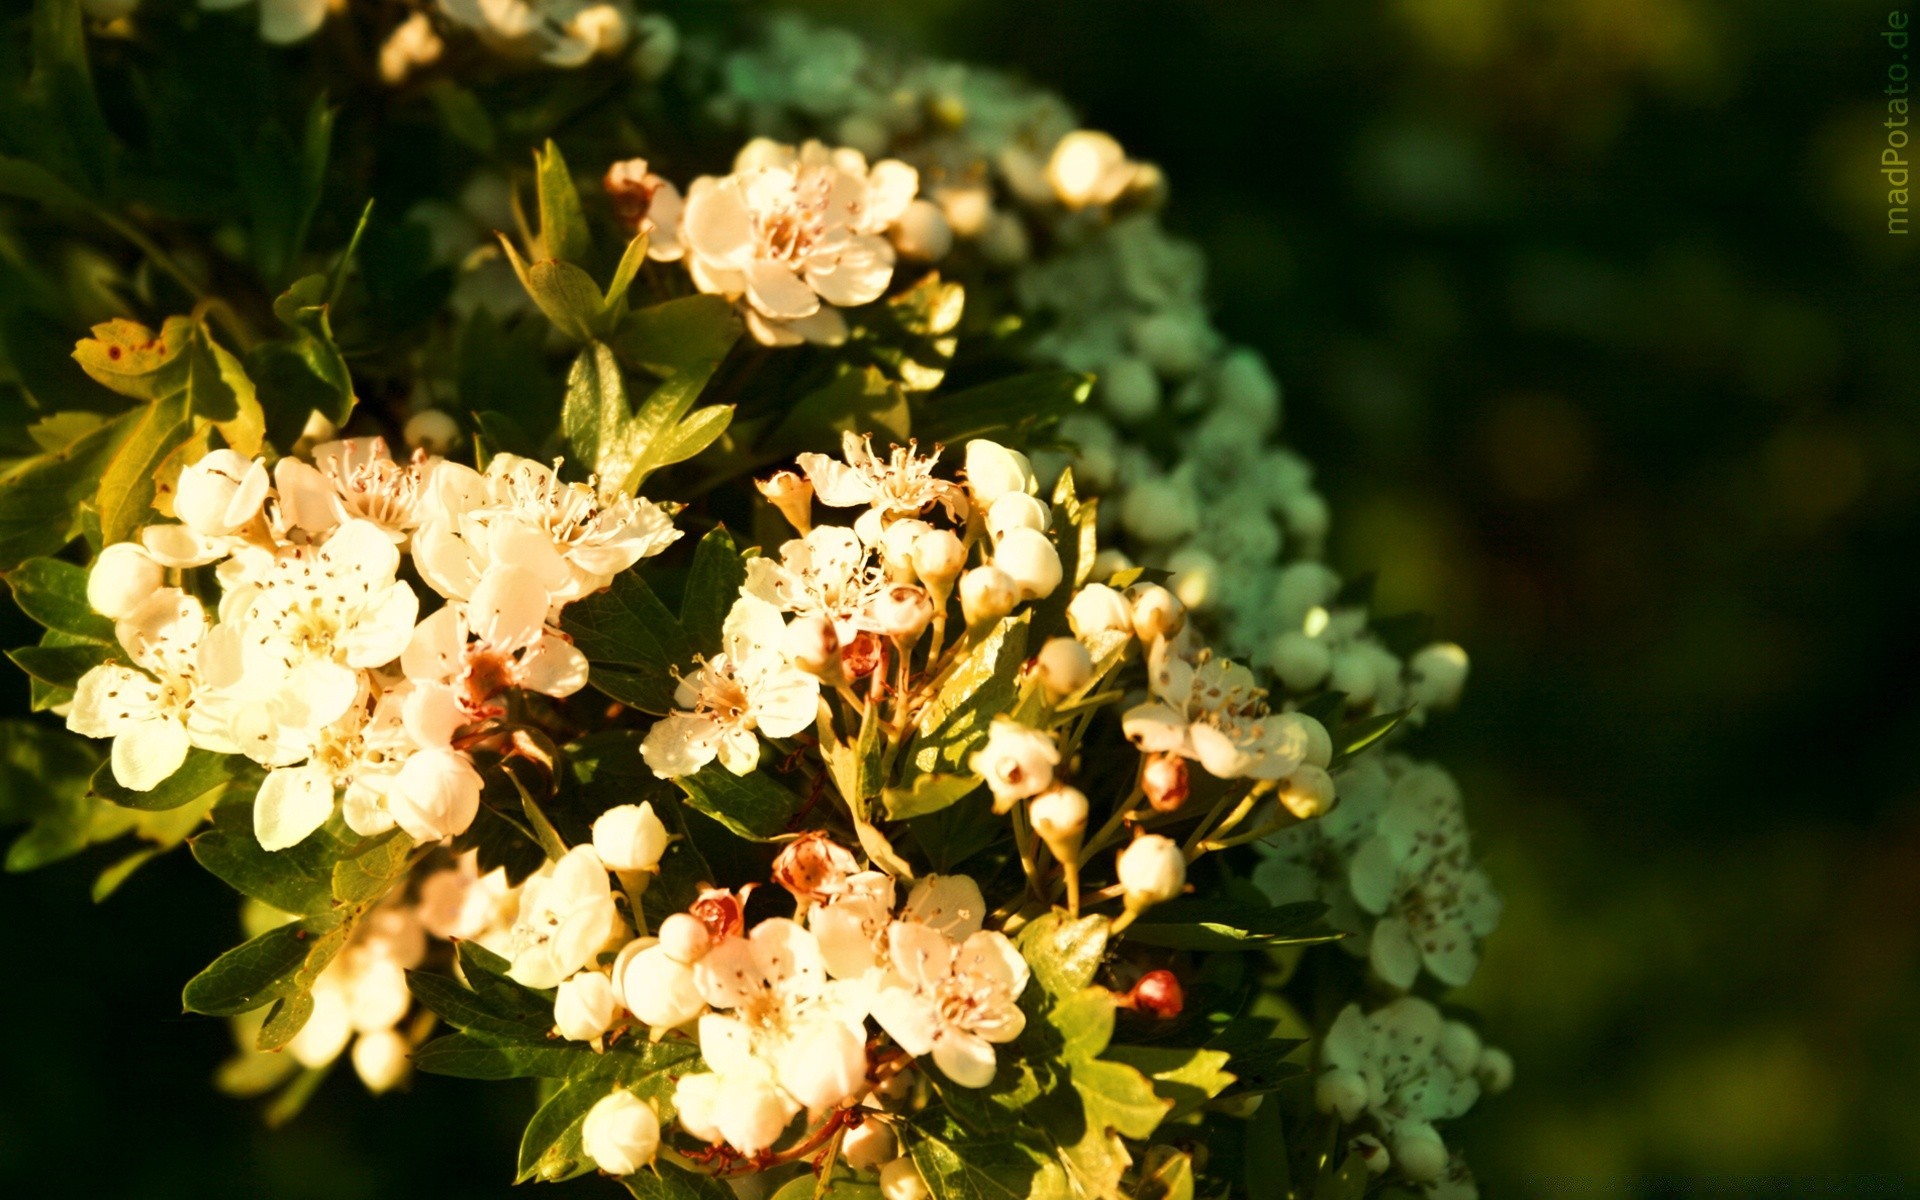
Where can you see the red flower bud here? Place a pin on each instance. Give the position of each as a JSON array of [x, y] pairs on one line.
[[1158, 994]]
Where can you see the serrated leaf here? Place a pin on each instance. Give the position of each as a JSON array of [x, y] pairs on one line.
[[1186, 1076], [467, 1010], [1083, 1022], [754, 806], [563, 224], [370, 869], [927, 794], [960, 1165], [550, 1149], [133, 360], [713, 584], [202, 772], [1192, 923], [627, 626], [257, 972], [664, 1181], [1002, 1105], [1064, 952], [298, 879], [127, 487], [983, 684], [565, 294], [1118, 1097]]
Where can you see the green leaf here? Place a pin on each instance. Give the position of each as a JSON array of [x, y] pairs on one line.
[[280, 182], [1013, 410], [596, 419], [1084, 1023], [927, 794], [40, 497], [1186, 1076], [958, 1164], [128, 486], [1264, 1164], [1191, 923], [1351, 739], [298, 879], [1259, 1060], [563, 224], [564, 293], [496, 1017], [462, 115], [202, 772], [859, 400], [914, 333], [305, 373], [131, 359], [662, 431], [60, 665], [471, 1056], [843, 1187], [550, 1149], [626, 625], [1003, 1105], [679, 334], [1118, 1097], [984, 683], [713, 584], [1167, 1174], [664, 1181], [43, 784], [753, 806], [1063, 952], [258, 972], [54, 593], [67, 121], [370, 869]]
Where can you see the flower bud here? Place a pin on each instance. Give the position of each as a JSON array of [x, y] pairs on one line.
[[896, 548], [791, 493], [902, 613], [695, 1099], [814, 868], [938, 557], [1097, 608], [1308, 792], [1088, 167], [436, 795], [621, 1133], [1152, 871], [1164, 779], [1063, 667], [1339, 1091], [1157, 612], [1318, 741], [986, 595], [993, 471], [1307, 516], [1460, 1046], [684, 938], [1157, 994], [1373, 1152], [1016, 761], [583, 1006], [1017, 510], [630, 838], [1494, 1070], [381, 1061], [869, 1144], [1419, 1152], [1059, 816], [658, 989], [1031, 561], [431, 430], [122, 579], [900, 1180], [1438, 673], [1300, 661], [922, 233], [657, 45], [220, 493]]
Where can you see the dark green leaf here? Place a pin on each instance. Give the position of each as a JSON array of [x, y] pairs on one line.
[[258, 972], [859, 400], [298, 879], [39, 498], [54, 593], [1190, 923], [627, 626], [664, 1181], [713, 584], [369, 870], [202, 772], [469, 1056], [60, 666], [1012, 410], [753, 806], [467, 1010], [960, 1165]]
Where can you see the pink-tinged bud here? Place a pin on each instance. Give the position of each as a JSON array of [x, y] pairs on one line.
[[1152, 871], [1157, 994], [684, 939], [631, 188], [1063, 667], [1164, 779], [791, 493], [814, 868], [722, 912], [866, 652]]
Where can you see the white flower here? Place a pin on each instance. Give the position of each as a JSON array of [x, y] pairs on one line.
[[282, 22], [629, 837], [952, 999], [412, 44], [381, 1060], [828, 573], [561, 33], [461, 904], [1392, 1057], [436, 795], [621, 1133], [1211, 711], [355, 478], [1017, 761], [155, 713], [221, 493], [799, 234], [1089, 168], [497, 640], [365, 752], [899, 486], [748, 688], [994, 471], [786, 1037], [644, 200], [566, 916], [122, 579], [583, 1007], [1152, 870]]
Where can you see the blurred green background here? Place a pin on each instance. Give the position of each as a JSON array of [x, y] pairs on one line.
[[1589, 318]]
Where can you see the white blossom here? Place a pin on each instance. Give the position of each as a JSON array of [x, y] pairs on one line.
[[566, 915], [749, 688], [621, 1133], [1211, 710], [899, 486], [157, 709], [953, 999]]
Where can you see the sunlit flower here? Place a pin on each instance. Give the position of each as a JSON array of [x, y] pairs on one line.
[[749, 688]]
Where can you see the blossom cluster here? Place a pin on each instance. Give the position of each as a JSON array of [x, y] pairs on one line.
[[317, 664]]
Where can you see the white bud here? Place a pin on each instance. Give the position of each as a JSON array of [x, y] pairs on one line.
[[1307, 792], [1088, 167], [1354, 674], [869, 1144], [1059, 816], [436, 795], [813, 645], [896, 548], [1460, 1046], [1097, 608], [1130, 389], [658, 988], [993, 471], [685, 938], [900, 1180], [1373, 1152], [1016, 761], [1063, 667], [1300, 661], [1419, 1152], [583, 1006], [380, 1059], [1437, 673], [621, 1133], [902, 613], [695, 1099], [122, 579], [630, 838], [922, 233], [1319, 741], [825, 1066], [987, 594], [1339, 1091], [1017, 510], [1152, 870], [938, 556], [431, 430], [1196, 577], [220, 493], [1157, 612], [1031, 561], [1494, 1070]]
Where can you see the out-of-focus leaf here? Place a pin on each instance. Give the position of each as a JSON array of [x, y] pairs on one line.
[[39, 498], [1011, 410]]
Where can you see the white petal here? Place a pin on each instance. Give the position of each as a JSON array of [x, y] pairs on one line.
[[146, 752], [716, 224], [949, 904], [435, 650], [739, 751], [508, 608], [964, 1058], [292, 803], [1393, 954], [778, 293], [554, 667], [680, 744], [909, 1018], [382, 633]]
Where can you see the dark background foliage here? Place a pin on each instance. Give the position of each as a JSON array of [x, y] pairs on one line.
[[1588, 317]]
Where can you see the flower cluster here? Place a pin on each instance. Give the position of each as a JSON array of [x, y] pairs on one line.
[[317, 664]]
